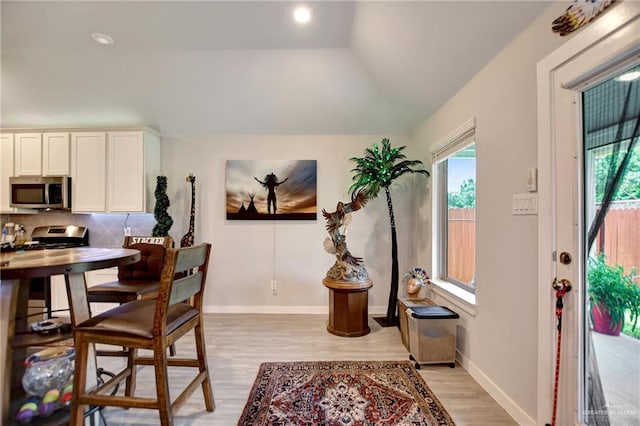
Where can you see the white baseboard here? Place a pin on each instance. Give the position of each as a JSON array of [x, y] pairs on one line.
[[246, 309], [249, 309], [377, 310], [518, 414]]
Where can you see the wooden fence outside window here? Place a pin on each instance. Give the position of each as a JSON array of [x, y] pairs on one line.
[[462, 245], [619, 239]]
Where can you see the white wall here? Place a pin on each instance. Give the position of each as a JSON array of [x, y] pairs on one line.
[[499, 343], [240, 271]]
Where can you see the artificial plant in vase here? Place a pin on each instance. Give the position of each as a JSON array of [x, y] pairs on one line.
[[380, 166], [163, 219]]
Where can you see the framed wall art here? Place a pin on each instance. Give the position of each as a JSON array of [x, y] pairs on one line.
[[271, 190]]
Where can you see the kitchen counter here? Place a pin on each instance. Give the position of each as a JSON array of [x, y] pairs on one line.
[[16, 271]]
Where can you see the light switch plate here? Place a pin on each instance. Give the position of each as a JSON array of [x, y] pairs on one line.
[[525, 204]]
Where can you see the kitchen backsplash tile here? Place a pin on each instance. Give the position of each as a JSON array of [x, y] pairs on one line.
[[105, 230]]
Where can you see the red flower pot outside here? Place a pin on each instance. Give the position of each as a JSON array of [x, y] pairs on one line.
[[602, 321]]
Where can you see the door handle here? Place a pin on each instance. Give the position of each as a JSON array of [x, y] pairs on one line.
[[565, 258], [563, 285]]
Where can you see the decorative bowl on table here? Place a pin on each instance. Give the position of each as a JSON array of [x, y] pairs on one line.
[[48, 369]]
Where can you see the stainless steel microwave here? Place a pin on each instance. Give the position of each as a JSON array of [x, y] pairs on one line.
[[40, 192]]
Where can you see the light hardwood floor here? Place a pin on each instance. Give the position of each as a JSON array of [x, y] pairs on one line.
[[237, 344]]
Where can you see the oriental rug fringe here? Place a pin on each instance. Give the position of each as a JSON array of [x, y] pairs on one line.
[[342, 393]]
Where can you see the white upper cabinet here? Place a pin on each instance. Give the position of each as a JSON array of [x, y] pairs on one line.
[[55, 154], [28, 154], [41, 154], [111, 170], [7, 164], [6, 171], [133, 164], [88, 171], [114, 171]]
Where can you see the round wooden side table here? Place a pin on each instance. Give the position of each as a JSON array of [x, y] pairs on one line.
[[348, 307]]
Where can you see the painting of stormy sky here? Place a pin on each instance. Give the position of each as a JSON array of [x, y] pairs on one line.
[[296, 198]]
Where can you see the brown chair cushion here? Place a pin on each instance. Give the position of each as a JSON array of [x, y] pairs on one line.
[[136, 319], [149, 267]]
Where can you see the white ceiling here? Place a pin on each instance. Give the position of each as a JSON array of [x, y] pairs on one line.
[[239, 67]]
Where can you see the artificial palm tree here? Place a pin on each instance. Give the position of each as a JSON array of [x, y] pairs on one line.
[[380, 166]]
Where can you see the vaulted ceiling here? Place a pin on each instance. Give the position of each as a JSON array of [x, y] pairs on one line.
[[243, 67]]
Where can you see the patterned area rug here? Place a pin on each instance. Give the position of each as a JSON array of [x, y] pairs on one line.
[[342, 393]]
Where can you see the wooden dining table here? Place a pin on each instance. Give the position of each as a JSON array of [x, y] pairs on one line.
[[17, 269]]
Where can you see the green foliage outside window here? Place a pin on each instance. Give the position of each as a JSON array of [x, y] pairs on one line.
[[465, 198], [629, 188]]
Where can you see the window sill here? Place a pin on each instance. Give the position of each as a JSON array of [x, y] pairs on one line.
[[462, 299]]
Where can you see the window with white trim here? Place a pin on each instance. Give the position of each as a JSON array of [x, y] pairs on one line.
[[454, 207]]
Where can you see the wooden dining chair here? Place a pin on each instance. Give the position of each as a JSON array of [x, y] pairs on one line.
[[151, 324], [140, 280]]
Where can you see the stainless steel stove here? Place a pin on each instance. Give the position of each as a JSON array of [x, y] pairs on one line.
[[57, 237], [52, 237]]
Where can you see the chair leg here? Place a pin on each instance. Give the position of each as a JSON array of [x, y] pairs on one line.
[[162, 383], [79, 379], [130, 384], [202, 365]]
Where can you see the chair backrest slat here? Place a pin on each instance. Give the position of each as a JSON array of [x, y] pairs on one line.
[[186, 287], [183, 276], [189, 259]]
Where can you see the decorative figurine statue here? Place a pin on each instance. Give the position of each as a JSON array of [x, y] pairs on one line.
[[187, 239], [347, 267], [415, 279]]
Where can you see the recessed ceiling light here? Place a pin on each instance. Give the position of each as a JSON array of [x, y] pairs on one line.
[[103, 39], [629, 76], [302, 14]]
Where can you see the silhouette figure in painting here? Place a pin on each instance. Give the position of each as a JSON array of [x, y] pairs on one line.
[[271, 184]]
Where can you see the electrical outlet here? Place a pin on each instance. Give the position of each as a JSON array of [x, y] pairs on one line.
[[274, 286], [127, 231]]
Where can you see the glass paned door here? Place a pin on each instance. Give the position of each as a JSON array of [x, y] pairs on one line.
[[611, 128], [567, 207]]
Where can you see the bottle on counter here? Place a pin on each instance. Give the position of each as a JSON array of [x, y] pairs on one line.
[[8, 232], [20, 235]]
